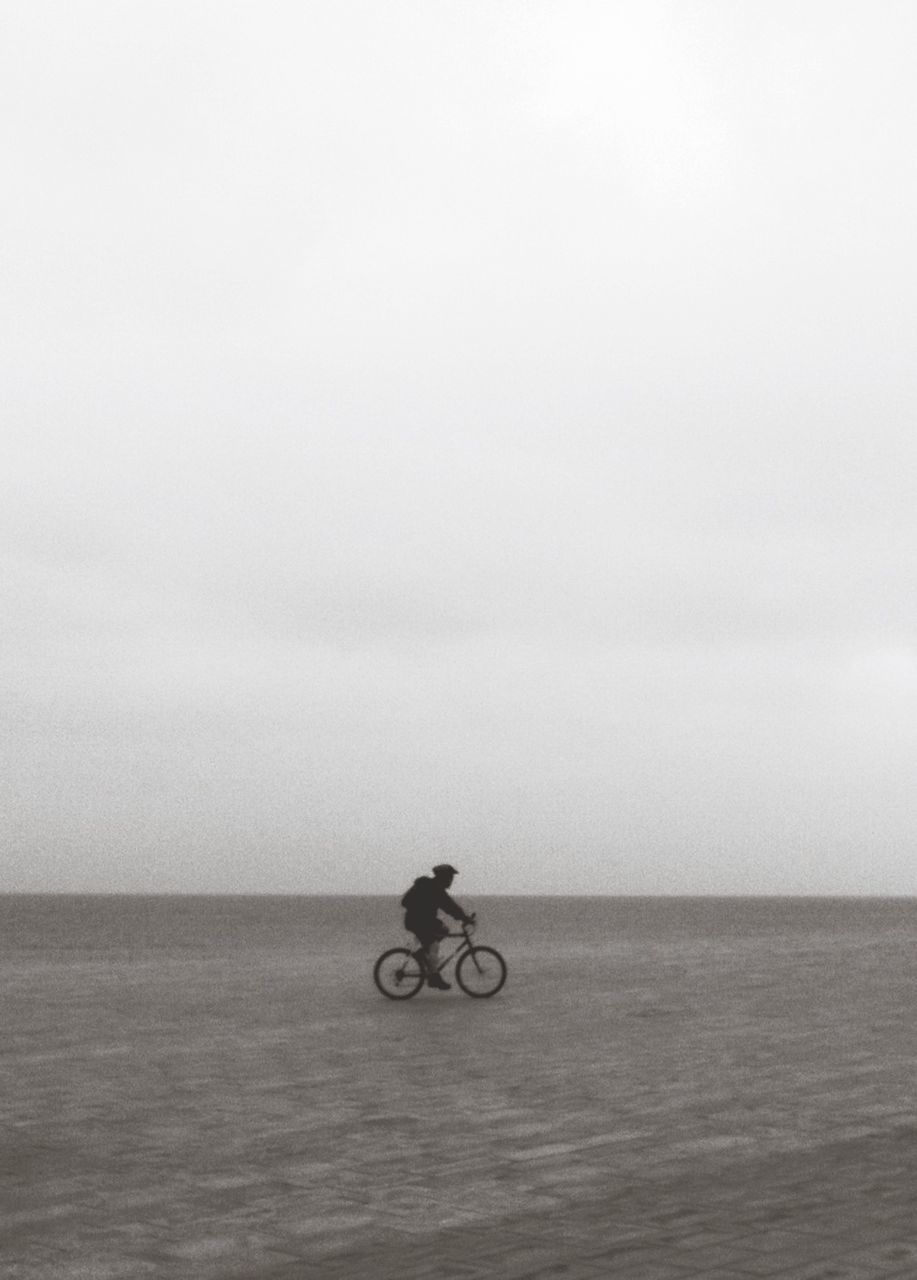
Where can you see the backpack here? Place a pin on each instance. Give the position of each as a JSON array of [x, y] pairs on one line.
[[414, 896]]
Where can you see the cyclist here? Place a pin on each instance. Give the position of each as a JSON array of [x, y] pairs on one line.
[[426, 897]]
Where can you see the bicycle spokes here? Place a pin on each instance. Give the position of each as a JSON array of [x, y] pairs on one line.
[[397, 974], [481, 971]]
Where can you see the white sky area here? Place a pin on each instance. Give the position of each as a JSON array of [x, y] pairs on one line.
[[479, 431]]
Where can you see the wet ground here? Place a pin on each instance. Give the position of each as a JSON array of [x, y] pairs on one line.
[[675, 1109]]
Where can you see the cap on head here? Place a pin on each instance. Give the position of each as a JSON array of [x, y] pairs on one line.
[[444, 871]]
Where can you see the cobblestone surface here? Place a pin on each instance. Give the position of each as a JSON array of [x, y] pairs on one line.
[[637, 1113]]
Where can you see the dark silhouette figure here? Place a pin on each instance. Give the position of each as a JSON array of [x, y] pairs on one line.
[[422, 903]]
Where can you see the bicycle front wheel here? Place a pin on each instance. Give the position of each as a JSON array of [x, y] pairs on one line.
[[397, 974], [481, 972]]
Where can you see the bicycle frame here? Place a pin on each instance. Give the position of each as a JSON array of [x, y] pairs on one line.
[[400, 972], [465, 945]]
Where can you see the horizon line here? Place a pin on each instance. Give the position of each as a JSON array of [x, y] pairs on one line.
[[219, 893]]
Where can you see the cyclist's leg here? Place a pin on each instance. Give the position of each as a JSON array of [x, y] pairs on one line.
[[424, 937], [435, 979], [431, 937], [428, 934]]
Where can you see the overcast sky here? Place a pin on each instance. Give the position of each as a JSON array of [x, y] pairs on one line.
[[478, 430]]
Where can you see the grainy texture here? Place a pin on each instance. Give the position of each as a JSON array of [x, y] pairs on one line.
[[669, 1109]]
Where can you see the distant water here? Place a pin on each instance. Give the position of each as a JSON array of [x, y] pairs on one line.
[[70, 929]]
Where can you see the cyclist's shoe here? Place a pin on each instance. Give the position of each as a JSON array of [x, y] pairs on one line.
[[439, 983]]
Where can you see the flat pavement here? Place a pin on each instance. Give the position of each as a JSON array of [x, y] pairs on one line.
[[740, 1109]]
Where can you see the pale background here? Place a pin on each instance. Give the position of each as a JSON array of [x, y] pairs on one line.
[[469, 430]]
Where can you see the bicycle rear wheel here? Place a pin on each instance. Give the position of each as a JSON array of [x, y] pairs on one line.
[[397, 974], [481, 972]]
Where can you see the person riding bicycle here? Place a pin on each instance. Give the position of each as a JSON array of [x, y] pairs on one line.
[[426, 897]]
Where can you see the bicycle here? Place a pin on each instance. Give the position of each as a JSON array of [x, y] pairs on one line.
[[479, 971]]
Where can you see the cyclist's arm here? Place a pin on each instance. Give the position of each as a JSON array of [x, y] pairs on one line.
[[452, 908]]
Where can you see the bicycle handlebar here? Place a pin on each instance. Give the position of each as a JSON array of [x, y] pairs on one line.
[[465, 926]]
